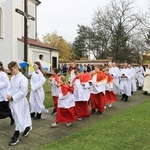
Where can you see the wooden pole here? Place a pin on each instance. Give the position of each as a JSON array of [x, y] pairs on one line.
[[25, 32]]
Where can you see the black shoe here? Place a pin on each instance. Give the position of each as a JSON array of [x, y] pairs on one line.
[[26, 131], [140, 88], [98, 112], [38, 116], [32, 115], [53, 112], [16, 134], [92, 111], [13, 141], [123, 97], [131, 92], [145, 93], [126, 98]]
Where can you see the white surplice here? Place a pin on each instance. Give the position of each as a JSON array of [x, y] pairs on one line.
[[19, 106], [146, 86], [66, 101], [139, 75], [37, 92], [125, 83], [81, 92], [4, 84], [133, 81], [97, 87], [72, 76], [115, 71], [54, 87]]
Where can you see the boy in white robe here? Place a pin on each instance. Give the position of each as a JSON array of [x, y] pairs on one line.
[[133, 82], [19, 105], [115, 72], [53, 81], [140, 76], [125, 83]]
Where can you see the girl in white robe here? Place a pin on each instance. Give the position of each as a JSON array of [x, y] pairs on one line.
[[19, 105], [66, 104], [37, 92]]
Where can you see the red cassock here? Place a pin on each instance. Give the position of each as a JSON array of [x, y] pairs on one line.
[[65, 115], [98, 100], [55, 98], [110, 95], [82, 107]]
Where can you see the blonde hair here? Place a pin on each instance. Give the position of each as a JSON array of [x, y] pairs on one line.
[[63, 78], [106, 69]]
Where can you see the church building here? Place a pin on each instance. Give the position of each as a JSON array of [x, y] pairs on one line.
[[12, 34]]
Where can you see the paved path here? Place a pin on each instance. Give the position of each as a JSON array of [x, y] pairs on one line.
[[42, 133]]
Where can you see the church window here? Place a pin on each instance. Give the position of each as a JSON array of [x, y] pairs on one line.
[[41, 56]]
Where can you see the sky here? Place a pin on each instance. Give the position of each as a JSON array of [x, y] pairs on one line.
[[63, 16]]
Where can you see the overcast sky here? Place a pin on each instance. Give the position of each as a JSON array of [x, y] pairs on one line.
[[63, 16]]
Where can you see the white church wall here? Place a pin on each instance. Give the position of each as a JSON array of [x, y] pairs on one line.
[[36, 52], [31, 23], [20, 50], [6, 41]]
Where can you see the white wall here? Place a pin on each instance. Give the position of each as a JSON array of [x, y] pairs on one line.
[[6, 41], [10, 49]]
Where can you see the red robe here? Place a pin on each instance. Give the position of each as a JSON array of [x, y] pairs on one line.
[[66, 115], [82, 107], [55, 98], [98, 100], [110, 95]]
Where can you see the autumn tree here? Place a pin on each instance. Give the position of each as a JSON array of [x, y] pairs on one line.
[[58, 42]]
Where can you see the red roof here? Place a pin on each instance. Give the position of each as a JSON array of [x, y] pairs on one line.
[[38, 43]]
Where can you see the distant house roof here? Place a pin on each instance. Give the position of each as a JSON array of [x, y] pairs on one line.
[[38, 43]]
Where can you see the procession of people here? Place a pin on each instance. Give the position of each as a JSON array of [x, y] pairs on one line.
[[79, 95]]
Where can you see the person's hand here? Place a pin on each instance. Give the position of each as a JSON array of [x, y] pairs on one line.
[[9, 98]]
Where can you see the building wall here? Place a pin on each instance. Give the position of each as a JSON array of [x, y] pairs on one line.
[[6, 40], [13, 29], [35, 52]]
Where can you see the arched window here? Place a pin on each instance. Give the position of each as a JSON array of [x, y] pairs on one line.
[[41, 56], [1, 23]]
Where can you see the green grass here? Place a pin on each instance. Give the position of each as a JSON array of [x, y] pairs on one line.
[[48, 102], [128, 130]]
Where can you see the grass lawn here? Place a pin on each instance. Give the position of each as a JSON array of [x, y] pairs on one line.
[[128, 130], [48, 102]]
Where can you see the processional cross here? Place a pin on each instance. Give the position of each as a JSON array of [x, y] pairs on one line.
[[26, 17]]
